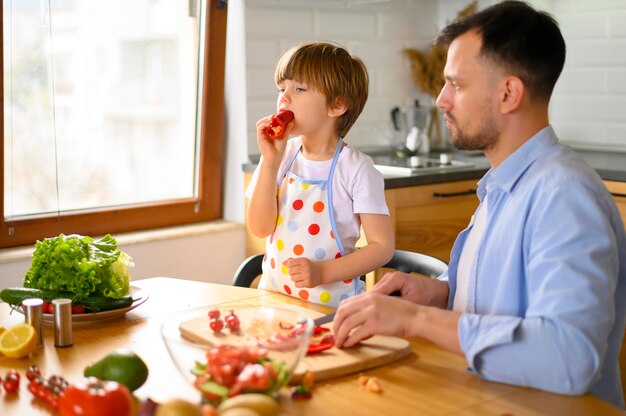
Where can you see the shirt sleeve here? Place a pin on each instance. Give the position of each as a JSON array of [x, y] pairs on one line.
[[368, 190], [558, 343]]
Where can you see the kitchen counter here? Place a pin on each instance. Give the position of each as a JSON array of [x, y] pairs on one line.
[[611, 166]]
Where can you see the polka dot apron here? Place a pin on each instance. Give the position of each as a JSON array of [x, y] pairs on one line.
[[305, 227]]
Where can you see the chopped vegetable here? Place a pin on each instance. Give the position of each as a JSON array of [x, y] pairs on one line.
[[231, 370], [80, 265]]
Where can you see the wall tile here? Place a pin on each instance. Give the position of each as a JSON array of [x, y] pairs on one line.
[[581, 80], [609, 52], [273, 22], [262, 52], [584, 25], [617, 24], [616, 80], [355, 25]]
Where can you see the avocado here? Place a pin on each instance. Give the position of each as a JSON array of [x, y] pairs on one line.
[[123, 366]]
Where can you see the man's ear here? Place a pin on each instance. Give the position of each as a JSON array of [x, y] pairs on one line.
[[337, 108], [513, 91]]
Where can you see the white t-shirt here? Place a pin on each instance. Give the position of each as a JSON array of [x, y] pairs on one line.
[[358, 187], [469, 255]]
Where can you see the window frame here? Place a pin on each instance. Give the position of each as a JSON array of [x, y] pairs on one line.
[[206, 206]]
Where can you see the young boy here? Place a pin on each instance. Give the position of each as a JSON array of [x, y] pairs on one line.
[[311, 194]]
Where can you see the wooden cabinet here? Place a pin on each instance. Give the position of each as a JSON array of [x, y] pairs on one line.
[[618, 190], [428, 218]]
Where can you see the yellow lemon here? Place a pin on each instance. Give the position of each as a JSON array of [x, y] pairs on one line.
[[18, 341], [2, 329]]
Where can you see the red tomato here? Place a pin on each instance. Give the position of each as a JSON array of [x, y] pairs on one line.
[[46, 307], [216, 324], [78, 309], [232, 321], [214, 313], [11, 382], [32, 372], [93, 397]]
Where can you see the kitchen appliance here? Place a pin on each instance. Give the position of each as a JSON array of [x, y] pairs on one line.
[[410, 125]]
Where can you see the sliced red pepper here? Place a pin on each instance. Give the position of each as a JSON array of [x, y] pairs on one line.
[[326, 343], [276, 129], [319, 330]]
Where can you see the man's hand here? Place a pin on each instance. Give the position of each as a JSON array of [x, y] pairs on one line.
[[415, 288], [304, 272], [369, 314]]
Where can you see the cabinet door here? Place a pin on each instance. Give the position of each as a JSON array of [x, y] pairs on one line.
[[428, 218], [618, 190]]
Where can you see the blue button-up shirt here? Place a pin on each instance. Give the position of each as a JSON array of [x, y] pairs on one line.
[[547, 292]]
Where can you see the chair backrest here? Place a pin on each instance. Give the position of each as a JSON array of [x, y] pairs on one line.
[[404, 261], [410, 261], [249, 270]]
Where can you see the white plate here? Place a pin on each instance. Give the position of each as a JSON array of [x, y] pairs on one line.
[[139, 296]]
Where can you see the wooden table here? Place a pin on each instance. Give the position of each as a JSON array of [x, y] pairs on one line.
[[431, 381]]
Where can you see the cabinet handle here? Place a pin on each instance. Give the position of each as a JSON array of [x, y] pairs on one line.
[[618, 195], [451, 194]]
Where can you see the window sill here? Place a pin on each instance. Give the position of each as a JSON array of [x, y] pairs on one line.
[[14, 254]]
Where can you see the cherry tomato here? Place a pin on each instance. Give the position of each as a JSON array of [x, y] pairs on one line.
[[32, 372], [48, 390], [232, 321], [46, 307], [78, 309], [94, 397], [11, 382], [216, 324], [214, 313]]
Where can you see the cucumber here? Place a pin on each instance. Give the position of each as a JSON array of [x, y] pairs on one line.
[[15, 296]]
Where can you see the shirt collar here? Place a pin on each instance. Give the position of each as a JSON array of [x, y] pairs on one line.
[[514, 166]]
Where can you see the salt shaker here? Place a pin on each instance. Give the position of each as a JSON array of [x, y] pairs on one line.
[[62, 322], [33, 315]]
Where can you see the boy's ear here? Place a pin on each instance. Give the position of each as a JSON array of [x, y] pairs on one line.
[[337, 107]]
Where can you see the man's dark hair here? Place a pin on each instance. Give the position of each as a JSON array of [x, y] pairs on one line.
[[520, 39]]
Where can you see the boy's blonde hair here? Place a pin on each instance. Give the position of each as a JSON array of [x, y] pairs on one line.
[[331, 70]]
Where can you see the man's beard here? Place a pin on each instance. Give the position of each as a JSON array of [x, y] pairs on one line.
[[484, 139]]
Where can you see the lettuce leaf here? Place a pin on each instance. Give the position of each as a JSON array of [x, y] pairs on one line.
[[80, 265]]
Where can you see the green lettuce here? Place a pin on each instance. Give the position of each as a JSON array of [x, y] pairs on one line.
[[80, 265]]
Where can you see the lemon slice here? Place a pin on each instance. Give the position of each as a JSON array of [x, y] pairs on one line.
[[18, 341]]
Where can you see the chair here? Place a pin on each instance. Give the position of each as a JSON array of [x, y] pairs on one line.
[[248, 271], [404, 261]]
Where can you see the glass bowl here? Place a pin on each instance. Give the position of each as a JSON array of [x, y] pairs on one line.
[[256, 355]]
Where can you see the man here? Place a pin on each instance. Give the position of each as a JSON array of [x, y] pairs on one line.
[[536, 286]]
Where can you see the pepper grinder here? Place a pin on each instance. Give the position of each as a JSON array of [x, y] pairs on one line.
[[33, 315], [62, 322]]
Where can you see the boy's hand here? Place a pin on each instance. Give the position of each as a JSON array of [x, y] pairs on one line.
[[304, 272], [271, 150]]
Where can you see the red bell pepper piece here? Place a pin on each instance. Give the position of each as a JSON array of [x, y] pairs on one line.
[[276, 129], [326, 343]]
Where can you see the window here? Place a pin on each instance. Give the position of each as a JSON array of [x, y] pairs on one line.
[[112, 116]]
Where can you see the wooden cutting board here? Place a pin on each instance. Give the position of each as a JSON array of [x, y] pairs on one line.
[[335, 362]]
